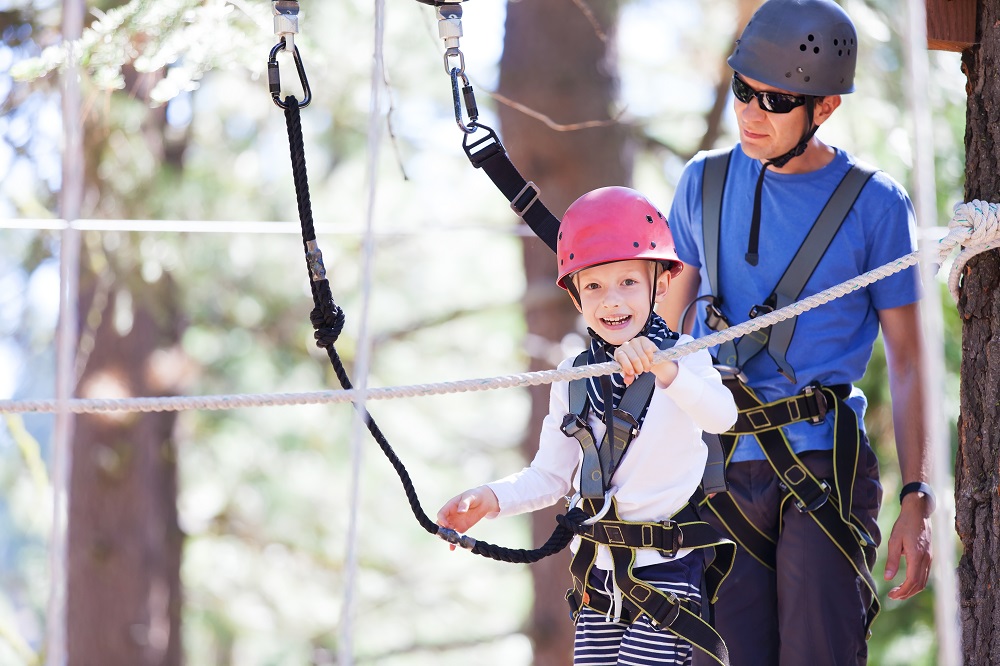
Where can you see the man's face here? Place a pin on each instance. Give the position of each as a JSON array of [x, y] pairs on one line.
[[765, 134]]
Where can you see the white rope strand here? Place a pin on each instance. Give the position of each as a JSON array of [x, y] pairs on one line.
[[966, 230]]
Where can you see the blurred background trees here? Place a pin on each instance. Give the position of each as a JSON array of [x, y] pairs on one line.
[[179, 128]]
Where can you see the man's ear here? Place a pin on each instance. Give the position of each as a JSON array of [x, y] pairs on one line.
[[824, 108]]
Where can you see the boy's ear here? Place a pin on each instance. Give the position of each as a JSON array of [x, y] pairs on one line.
[[662, 286]]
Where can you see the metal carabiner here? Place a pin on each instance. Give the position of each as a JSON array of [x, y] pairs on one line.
[[604, 509], [274, 76], [470, 100]]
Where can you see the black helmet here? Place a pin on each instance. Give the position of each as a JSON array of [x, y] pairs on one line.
[[809, 47]]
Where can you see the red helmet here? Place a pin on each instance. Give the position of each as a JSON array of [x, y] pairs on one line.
[[613, 224]]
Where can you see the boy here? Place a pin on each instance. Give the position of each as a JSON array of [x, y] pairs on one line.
[[639, 569]]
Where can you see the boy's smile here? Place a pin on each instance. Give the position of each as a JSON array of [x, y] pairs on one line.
[[616, 298]]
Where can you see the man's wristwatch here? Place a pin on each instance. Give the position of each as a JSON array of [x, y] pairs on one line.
[[919, 487]]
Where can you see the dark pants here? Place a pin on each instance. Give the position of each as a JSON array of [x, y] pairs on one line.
[[811, 609]]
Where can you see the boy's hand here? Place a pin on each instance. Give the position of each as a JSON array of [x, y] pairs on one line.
[[463, 511], [636, 357]]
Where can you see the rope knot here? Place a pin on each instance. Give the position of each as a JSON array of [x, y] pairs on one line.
[[573, 520], [329, 323]]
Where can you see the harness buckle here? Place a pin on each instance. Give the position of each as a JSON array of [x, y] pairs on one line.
[[816, 503], [714, 318], [759, 310], [816, 402], [676, 538], [573, 424]]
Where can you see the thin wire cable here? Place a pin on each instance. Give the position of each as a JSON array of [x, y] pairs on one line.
[[362, 360], [70, 204], [943, 567]]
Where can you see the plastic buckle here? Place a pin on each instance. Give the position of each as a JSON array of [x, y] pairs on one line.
[[759, 310], [816, 401], [816, 503]]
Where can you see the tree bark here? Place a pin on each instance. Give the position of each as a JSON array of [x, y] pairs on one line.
[[558, 59], [123, 601], [976, 476], [124, 544]]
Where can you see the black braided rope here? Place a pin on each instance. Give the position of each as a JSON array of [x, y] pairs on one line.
[[328, 321]]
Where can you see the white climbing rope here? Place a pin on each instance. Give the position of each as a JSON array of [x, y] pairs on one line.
[[974, 228], [977, 224]]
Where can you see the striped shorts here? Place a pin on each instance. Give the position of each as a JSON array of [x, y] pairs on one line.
[[600, 641]]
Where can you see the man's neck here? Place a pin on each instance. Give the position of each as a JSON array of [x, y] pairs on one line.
[[816, 156]]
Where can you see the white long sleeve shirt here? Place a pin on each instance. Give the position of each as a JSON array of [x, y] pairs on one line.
[[661, 468]]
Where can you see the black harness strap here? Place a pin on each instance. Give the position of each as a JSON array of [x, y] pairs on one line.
[[778, 337], [807, 493], [665, 611], [489, 154]]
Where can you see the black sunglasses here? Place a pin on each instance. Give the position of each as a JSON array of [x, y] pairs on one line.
[[773, 102]]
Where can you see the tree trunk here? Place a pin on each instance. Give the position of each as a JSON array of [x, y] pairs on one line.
[[123, 601], [558, 61], [976, 476], [124, 544]]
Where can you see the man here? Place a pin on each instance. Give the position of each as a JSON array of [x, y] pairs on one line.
[[804, 491]]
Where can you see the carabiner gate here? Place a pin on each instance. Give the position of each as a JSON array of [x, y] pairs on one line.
[[274, 76]]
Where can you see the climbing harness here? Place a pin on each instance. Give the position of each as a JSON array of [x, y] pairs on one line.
[[328, 321], [685, 529], [814, 404]]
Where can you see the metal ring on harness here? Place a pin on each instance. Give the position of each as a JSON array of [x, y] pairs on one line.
[[731, 371], [604, 509]]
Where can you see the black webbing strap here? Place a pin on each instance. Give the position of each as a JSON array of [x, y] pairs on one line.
[[808, 494], [811, 405], [778, 337], [488, 154], [665, 611]]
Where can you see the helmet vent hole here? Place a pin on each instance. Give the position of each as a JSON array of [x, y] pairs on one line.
[[840, 52], [649, 218], [811, 38], [788, 75], [815, 49], [635, 244], [836, 42], [560, 235], [802, 47], [806, 79], [571, 256], [652, 244]]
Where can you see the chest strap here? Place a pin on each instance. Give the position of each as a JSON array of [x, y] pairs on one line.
[[778, 337], [599, 463], [665, 611], [829, 504]]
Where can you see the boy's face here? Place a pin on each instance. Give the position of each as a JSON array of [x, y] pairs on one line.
[[615, 298]]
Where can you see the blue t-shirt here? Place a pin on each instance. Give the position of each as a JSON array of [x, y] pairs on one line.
[[833, 343]]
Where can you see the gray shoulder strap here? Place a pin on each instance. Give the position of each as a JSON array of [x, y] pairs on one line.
[[712, 186], [578, 388], [804, 264]]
